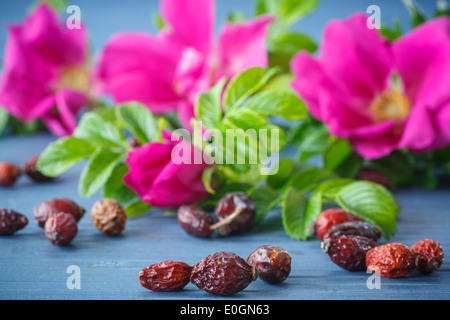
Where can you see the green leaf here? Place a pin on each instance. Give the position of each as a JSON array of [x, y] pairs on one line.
[[266, 6], [394, 33], [310, 177], [293, 10], [336, 154], [98, 170], [245, 84], [95, 129], [208, 108], [236, 16], [63, 154], [4, 117], [58, 5], [139, 120], [372, 203], [416, 14], [137, 208], [290, 43], [207, 179], [115, 188], [282, 104], [265, 199], [286, 169], [293, 214], [397, 167]]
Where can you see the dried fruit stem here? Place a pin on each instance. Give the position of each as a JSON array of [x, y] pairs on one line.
[[228, 219]]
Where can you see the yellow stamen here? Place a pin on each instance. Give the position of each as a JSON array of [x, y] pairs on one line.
[[390, 105], [76, 78]]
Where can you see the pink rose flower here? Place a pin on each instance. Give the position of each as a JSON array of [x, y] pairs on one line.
[[44, 76], [351, 87], [167, 72], [162, 182]]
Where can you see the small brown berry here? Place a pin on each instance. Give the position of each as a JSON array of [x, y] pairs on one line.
[[29, 168], [235, 213], [50, 207], [195, 221], [9, 174], [223, 274], [273, 263], [11, 222], [109, 216], [355, 228], [429, 255], [391, 260], [61, 229], [165, 276]]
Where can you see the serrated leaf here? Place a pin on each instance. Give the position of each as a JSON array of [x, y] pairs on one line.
[[309, 178], [293, 214], [93, 128], [63, 154], [372, 203], [208, 108], [115, 188], [245, 84], [98, 170], [265, 199], [139, 120]]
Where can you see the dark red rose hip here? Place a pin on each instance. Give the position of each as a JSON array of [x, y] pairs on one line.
[[195, 221], [392, 260], [51, 207], [235, 213], [9, 174], [165, 276], [29, 168], [329, 218], [348, 252], [11, 222], [223, 274], [429, 255], [61, 229], [355, 228], [273, 263]]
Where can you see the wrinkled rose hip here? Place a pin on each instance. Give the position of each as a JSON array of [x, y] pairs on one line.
[[348, 252], [61, 229], [329, 218], [429, 255], [51, 207], [29, 168], [165, 276], [9, 174], [223, 274], [235, 213], [195, 221], [391, 260], [355, 228], [273, 263], [109, 216], [11, 222]]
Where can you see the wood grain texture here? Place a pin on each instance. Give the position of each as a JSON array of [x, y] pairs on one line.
[[32, 268]]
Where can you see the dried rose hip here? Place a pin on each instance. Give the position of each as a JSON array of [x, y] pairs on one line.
[[429, 255], [273, 263], [195, 221], [29, 168], [235, 213], [9, 174], [355, 228], [50, 207], [11, 222], [329, 218], [223, 274], [109, 216], [348, 252], [61, 229], [391, 260], [165, 276]]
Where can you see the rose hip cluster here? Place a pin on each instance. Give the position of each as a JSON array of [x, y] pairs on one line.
[[352, 244], [234, 214], [59, 218], [221, 273], [10, 173]]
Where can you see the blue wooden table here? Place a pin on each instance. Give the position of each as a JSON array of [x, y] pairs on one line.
[[32, 268]]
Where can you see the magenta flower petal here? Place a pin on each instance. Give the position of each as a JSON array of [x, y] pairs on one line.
[[243, 45], [423, 62], [191, 22], [140, 67]]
